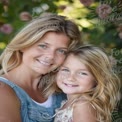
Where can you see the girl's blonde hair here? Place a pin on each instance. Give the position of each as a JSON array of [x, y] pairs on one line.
[[106, 94]]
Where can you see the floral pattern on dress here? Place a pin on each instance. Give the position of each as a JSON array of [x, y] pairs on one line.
[[64, 115]]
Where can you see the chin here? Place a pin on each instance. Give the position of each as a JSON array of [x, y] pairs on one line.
[[67, 92], [42, 72]]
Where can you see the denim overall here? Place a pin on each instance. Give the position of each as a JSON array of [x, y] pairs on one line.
[[32, 112]]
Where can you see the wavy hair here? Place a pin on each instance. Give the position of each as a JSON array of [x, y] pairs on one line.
[[32, 32], [106, 94]]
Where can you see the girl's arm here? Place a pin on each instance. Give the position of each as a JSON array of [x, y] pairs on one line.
[[84, 112], [9, 105]]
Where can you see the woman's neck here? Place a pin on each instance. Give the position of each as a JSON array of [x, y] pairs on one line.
[[28, 84], [23, 78]]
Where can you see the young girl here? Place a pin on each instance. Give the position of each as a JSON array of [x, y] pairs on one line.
[[91, 86]]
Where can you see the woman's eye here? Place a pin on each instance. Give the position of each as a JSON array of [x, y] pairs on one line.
[[64, 52], [43, 46]]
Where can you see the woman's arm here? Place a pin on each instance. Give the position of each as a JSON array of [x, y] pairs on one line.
[[9, 105], [84, 112]]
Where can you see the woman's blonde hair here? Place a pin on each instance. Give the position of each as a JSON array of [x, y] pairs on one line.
[[33, 32], [106, 94]]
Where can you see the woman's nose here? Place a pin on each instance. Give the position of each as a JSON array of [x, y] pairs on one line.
[[50, 55]]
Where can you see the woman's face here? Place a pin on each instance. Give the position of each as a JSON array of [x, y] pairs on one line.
[[47, 54]]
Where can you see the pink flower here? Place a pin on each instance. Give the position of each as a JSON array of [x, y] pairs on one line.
[[5, 2], [6, 28], [120, 35], [25, 16], [86, 2], [103, 11]]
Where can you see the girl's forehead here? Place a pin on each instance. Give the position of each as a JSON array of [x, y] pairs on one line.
[[74, 61]]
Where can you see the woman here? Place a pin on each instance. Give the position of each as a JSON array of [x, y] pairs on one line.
[[38, 49]]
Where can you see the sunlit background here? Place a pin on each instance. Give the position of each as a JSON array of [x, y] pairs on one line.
[[100, 22]]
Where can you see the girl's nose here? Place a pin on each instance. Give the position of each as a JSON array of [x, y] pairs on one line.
[[71, 77]]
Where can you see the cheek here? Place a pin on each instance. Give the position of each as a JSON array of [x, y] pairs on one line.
[[90, 84], [58, 77], [93, 82], [25, 58], [60, 60], [61, 76], [58, 81]]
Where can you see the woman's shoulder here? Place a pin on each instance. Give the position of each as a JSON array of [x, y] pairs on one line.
[[9, 103], [20, 93], [7, 95], [6, 91], [61, 96], [58, 98]]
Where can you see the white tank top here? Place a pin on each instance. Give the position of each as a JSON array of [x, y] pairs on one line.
[[47, 103]]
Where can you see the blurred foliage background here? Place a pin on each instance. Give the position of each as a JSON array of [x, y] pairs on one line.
[[100, 22]]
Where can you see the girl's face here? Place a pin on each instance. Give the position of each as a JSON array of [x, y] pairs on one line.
[[74, 77], [47, 54]]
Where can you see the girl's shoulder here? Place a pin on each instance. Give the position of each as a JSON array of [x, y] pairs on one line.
[[84, 111], [83, 103]]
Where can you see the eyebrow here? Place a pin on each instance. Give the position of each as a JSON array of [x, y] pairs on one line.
[[63, 66], [50, 44], [84, 70]]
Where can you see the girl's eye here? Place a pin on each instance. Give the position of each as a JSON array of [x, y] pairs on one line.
[[82, 73], [43, 46], [64, 70]]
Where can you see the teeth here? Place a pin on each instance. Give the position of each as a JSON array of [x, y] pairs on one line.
[[45, 63], [70, 85]]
